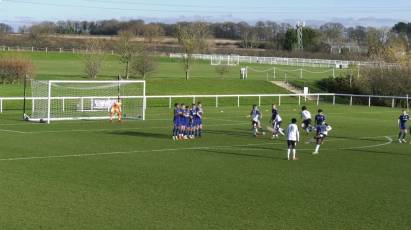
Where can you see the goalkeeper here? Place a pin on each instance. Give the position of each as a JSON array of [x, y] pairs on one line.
[[116, 109]]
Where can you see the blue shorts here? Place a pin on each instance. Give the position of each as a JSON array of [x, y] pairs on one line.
[[176, 122], [403, 126], [185, 122], [198, 121]]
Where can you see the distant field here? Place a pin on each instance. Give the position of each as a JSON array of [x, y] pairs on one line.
[[169, 76]]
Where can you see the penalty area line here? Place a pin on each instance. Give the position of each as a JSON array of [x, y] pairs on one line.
[[12, 131], [128, 152], [237, 147], [389, 141]]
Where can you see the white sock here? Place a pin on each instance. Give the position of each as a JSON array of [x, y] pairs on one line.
[[281, 132], [317, 148], [288, 153], [294, 151]]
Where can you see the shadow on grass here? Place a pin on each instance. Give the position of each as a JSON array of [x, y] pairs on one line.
[[141, 134], [357, 138], [232, 152], [380, 152], [237, 133]]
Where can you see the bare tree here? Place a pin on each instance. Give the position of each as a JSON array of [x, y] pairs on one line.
[[5, 29], [150, 31], [143, 62], [37, 33], [93, 59], [333, 32], [376, 45], [248, 35], [126, 49], [193, 38], [15, 69], [397, 50]]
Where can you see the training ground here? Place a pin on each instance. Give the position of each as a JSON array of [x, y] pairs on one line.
[[101, 175]]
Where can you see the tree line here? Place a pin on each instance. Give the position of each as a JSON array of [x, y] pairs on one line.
[[263, 34]]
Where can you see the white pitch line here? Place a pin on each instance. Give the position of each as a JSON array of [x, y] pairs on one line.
[[356, 147], [129, 152], [179, 149], [371, 146], [350, 148], [12, 131]]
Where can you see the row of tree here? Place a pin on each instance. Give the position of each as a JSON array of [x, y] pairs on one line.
[[378, 80], [5, 29], [138, 59], [264, 34]]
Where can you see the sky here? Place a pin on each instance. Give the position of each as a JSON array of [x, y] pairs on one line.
[[17, 12]]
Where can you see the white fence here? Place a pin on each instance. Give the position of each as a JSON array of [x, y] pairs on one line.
[[330, 98], [48, 49], [302, 62]]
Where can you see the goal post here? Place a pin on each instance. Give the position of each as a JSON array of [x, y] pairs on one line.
[[86, 100], [229, 60]]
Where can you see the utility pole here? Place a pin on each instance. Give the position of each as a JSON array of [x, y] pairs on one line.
[[300, 25]]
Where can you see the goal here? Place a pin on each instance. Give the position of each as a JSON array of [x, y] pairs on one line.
[[86, 100], [230, 60]]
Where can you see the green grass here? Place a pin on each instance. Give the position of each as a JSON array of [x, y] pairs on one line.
[[97, 175], [169, 76]]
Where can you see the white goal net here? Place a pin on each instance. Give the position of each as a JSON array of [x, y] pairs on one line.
[[230, 60], [86, 100]]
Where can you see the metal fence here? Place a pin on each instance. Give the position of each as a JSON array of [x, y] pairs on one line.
[[260, 99]]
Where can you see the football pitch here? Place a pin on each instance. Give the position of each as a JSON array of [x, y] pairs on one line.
[[101, 175]]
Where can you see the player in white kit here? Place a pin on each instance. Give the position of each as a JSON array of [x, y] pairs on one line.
[[306, 116], [293, 136]]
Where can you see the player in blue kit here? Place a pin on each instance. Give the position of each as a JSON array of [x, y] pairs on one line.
[[182, 127], [320, 117], [176, 121], [402, 123], [276, 121], [274, 112], [186, 118], [183, 122], [198, 120], [192, 125], [322, 133]]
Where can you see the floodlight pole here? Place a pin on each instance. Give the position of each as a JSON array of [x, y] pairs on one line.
[[300, 26]]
